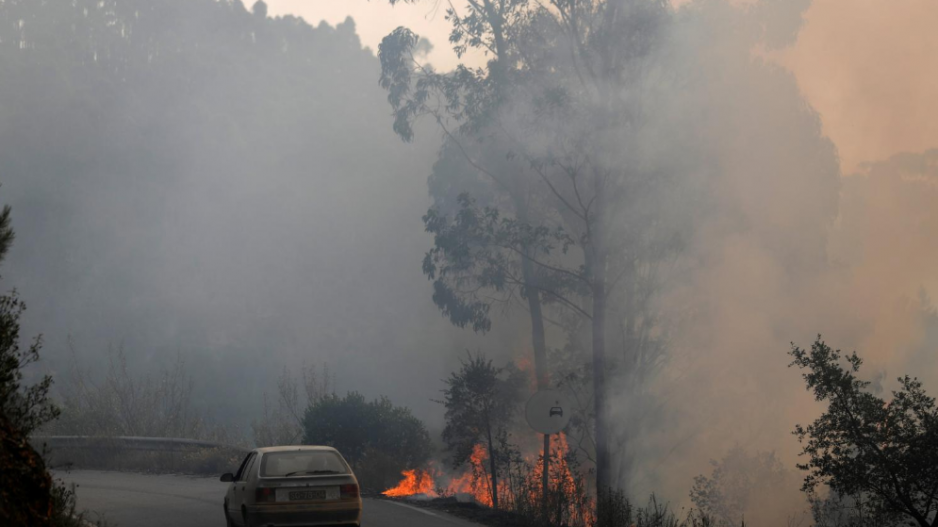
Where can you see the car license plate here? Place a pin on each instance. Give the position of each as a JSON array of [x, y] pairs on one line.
[[308, 494]]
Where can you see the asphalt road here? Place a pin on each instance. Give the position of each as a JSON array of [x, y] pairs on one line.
[[140, 500]]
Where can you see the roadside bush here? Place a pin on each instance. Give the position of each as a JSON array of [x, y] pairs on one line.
[[28, 501], [65, 512], [378, 439]]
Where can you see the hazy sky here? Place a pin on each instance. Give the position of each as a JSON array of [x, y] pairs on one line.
[[870, 67], [376, 18]]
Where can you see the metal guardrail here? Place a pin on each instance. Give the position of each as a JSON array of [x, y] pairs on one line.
[[153, 444]]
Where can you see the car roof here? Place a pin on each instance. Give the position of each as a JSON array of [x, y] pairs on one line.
[[294, 448]]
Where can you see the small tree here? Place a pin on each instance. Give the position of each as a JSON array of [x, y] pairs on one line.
[[26, 407], [885, 453], [28, 495], [743, 488], [25, 498], [480, 402]]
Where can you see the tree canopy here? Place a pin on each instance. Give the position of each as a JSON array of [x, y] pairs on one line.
[[882, 453]]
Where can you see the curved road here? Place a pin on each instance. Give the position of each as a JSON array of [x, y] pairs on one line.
[[141, 500]]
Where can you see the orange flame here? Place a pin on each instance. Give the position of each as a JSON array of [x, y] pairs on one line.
[[415, 482], [560, 476], [563, 481], [475, 481]]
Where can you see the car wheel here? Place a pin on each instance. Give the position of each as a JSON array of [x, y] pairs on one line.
[[244, 517]]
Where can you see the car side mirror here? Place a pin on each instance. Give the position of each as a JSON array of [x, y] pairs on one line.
[[226, 477]]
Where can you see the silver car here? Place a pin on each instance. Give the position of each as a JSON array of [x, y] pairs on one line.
[[292, 486]]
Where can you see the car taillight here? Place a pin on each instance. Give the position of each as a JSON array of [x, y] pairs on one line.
[[349, 491], [262, 495]]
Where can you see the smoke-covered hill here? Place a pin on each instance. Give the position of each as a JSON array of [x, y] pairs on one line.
[[190, 176]]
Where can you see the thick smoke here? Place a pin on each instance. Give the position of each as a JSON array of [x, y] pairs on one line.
[[191, 178], [776, 244], [783, 247], [869, 69]]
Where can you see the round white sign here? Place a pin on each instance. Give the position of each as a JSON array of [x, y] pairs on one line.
[[548, 411]]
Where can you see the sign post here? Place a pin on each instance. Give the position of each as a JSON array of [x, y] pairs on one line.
[[547, 412]]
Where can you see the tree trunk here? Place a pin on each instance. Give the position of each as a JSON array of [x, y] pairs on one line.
[[539, 343], [596, 268], [495, 21], [538, 338], [493, 469], [541, 370]]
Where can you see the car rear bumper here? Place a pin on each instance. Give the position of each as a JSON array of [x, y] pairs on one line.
[[345, 512]]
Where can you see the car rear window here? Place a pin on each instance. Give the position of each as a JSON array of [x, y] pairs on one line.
[[302, 463]]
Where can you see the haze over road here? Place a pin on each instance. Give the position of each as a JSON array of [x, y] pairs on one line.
[[140, 500]]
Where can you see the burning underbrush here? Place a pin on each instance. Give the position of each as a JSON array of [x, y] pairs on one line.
[[519, 485]]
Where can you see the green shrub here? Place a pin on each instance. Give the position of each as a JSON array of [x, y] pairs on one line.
[[377, 438]]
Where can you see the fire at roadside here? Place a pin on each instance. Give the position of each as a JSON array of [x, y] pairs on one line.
[[468, 493]]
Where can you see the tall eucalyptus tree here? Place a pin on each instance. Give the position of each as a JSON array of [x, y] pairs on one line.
[[552, 99]]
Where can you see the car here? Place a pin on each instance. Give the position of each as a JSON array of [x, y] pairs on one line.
[[292, 486]]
